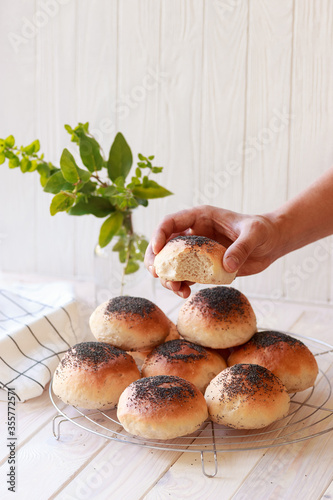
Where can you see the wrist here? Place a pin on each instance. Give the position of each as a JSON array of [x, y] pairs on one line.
[[283, 231]]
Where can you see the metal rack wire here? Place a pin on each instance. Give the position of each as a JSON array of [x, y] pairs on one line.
[[310, 415]]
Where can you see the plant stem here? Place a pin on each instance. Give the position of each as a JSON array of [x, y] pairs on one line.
[[129, 227], [103, 184]]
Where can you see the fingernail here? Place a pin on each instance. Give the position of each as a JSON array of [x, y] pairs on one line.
[[181, 294], [151, 269], [153, 246], [232, 264]]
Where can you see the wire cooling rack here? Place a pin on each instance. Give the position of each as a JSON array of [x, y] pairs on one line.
[[310, 415]]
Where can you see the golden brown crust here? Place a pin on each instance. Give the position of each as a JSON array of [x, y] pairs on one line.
[[218, 317], [92, 375], [246, 396], [186, 360], [288, 358], [193, 258], [161, 407], [140, 356], [173, 332], [130, 323]]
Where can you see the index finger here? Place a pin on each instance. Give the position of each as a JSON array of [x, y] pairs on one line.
[[173, 223]]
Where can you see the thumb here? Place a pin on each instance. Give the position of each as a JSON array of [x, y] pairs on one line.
[[239, 251]]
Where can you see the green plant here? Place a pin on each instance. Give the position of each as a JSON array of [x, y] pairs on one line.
[[99, 188]]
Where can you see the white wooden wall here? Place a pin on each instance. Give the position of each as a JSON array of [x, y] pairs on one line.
[[226, 71]]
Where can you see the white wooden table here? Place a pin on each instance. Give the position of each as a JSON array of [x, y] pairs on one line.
[[84, 466]]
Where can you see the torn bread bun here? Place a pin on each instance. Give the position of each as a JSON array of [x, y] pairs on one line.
[[193, 258]]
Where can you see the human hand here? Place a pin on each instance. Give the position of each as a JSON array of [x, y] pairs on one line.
[[252, 241]]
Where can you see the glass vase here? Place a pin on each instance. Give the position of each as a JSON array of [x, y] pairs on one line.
[[110, 280]]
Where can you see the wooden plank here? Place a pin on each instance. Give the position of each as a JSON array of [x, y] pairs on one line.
[[115, 473], [30, 417], [179, 120], [316, 323], [274, 314], [43, 453], [165, 121], [328, 494], [95, 97], [18, 192], [310, 141], [225, 44], [266, 143], [132, 66], [55, 106]]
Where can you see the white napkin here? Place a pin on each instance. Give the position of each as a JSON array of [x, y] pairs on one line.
[[38, 323]]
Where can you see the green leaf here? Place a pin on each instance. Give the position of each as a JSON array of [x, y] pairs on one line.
[[90, 153], [135, 182], [145, 181], [109, 228], [94, 205], [69, 167], [131, 267], [138, 172], [141, 157], [14, 162], [120, 158], [34, 147], [142, 245], [88, 187], [120, 182], [2, 145], [2, 158], [150, 190], [156, 170], [142, 202], [109, 191], [120, 245], [83, 174], [69, 129], [36, 144], [60, 203], [57, 183], [10, 155], [122, 256], [25, 164], [10, 141], [151, 157]]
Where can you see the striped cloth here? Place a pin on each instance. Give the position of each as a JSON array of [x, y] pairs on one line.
[[38, 323]]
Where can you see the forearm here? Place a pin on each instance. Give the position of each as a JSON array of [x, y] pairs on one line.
[[307, 217]]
